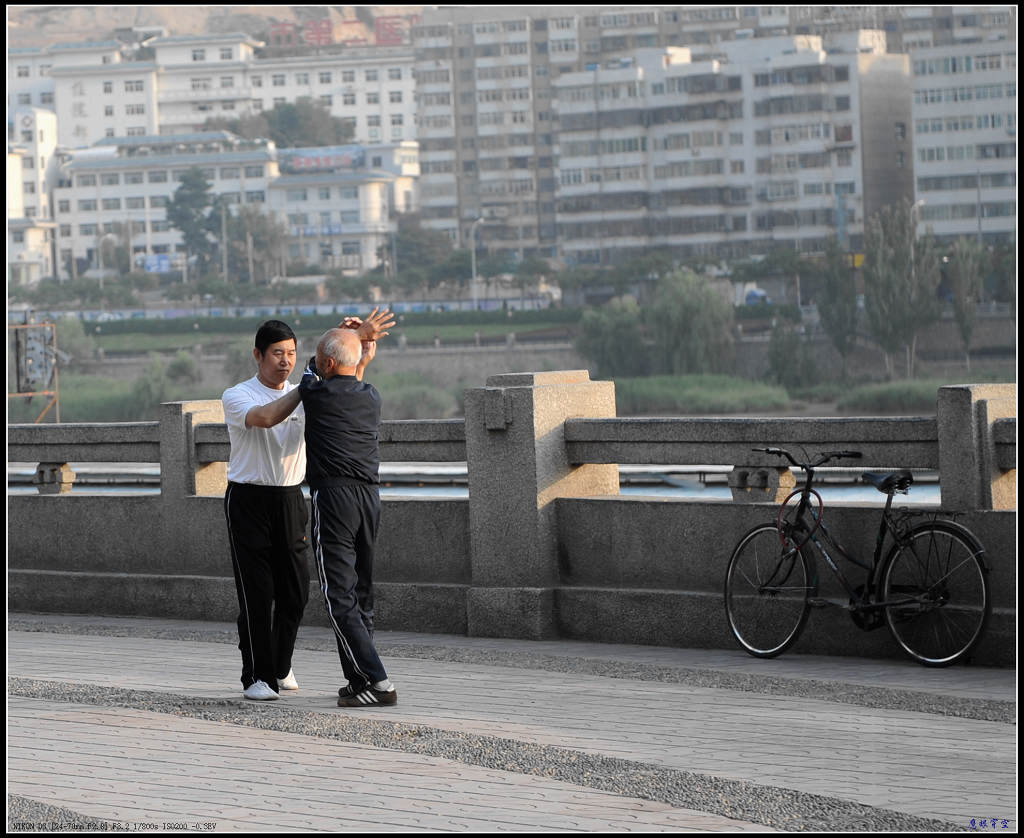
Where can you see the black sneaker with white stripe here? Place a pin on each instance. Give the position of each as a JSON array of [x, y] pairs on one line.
[[366, 697]]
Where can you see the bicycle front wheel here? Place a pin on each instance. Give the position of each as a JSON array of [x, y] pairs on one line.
[[936, 586], [766, 591]]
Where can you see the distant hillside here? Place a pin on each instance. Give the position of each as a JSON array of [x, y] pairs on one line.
[[36, 26]]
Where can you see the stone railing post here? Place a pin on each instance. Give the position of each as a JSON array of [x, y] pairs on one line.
[[761, 484], [180, 474], [969, 475], [517, 464]]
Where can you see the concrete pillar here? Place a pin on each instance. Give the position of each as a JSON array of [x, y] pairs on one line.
[[969, 475], [517, 464], [53, 478], [180, 474]]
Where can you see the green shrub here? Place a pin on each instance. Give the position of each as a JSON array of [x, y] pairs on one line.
[[696, 394], [892, 397]]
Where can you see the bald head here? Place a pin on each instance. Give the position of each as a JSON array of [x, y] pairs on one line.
[[338, 352]]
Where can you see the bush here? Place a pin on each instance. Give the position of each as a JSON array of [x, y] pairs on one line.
[[893, 397], [696, 394], [406, 396], [791, 360]]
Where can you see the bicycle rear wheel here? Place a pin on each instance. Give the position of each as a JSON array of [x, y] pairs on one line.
[[766, 591], [939, 586]]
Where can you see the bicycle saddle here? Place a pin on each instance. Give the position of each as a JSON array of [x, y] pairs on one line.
[[887, 483]]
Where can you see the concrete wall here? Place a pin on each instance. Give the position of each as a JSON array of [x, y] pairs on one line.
[[543, 547]]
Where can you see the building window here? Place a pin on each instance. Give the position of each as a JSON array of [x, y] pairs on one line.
[[227, 81], [395, 73], [395, 97], [23, 72], [372, 98], [325, 78], [199, 55], [348, 98], [348, 76], [135, 110], [254, 171], [302, 78], [113, 179], [108, 110], [202, 83], [108, 87], [371, 75], [257, 81], [226, 53], [134, 86], [277, 80]]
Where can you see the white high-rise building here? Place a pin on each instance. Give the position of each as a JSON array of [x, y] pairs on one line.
[[965, 140], [101, 90], [781, 143], [32, 168]]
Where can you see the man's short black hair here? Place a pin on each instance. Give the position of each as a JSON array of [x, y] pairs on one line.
[[273, 331]]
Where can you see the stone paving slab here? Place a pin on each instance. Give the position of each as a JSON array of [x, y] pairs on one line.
[[923, 765], [160, 771], [963, 681]]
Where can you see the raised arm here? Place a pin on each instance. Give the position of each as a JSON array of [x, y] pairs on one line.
[[268, 415]]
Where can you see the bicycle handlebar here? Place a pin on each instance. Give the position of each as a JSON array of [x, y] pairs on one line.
[[823, 457]]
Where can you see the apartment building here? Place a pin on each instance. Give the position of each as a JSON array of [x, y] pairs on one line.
[[100, 90], [31, 168], [488, 81], [337, 204], [965, 140], [781, 143]]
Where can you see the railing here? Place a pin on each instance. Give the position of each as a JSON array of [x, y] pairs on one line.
[[543, 546]]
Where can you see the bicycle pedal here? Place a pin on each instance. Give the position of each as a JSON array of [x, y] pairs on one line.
[[817, 602]]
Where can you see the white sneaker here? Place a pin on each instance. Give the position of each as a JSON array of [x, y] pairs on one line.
[[288, 682], [260, 691]]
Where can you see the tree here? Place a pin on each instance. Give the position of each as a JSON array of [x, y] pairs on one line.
[[418, 246], [837, 301], [691, 326], [608, 338], [966, 267], [188, 212], [301, 124], [901, 275], [305, 123], [248, 228], [1002, 277]]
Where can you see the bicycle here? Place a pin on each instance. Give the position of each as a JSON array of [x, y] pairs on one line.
[[931, 589]]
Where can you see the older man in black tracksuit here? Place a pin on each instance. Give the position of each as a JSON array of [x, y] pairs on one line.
[[342, 455]]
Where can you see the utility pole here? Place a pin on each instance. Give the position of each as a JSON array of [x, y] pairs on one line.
[[224, 239], [248, 248]]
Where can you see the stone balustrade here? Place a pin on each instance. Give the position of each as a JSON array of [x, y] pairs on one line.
[[544, 546]]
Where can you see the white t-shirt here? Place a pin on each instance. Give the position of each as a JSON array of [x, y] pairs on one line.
[[265, 456]]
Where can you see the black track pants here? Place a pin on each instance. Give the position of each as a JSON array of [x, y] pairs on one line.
[[270, 557], [345, 520]]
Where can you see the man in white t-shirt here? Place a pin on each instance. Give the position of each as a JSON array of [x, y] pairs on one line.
[[265, 509]]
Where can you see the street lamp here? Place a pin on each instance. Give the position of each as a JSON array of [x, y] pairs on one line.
[[472, 282]]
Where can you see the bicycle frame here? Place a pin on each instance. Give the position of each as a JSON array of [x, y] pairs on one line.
[[886, 525]]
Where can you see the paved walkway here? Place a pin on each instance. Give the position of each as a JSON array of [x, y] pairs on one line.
[[142, 722]]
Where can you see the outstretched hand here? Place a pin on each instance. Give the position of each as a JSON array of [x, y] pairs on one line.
[[375, 325]]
